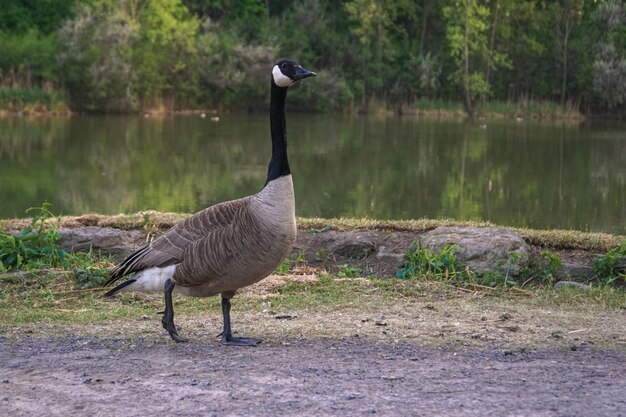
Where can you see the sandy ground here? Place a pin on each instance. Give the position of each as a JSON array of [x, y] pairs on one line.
[[95, 376]]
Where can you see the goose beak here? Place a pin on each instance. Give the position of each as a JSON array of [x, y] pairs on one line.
[[302, 73]]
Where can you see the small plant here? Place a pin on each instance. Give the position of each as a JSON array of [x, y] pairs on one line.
[[35, 245], [607, 267], [346, 271], [502, 274], [283, 268], [289, 264], [552, 266], [421, 261], [90, 277]]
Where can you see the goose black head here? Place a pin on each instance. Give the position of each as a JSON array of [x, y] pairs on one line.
[[287, 72]]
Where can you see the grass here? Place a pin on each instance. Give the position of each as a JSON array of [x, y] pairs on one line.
[[553, 239], [438, 107], [434, 300], [51, 303], [524, 108], [32, 100], [530, 109]]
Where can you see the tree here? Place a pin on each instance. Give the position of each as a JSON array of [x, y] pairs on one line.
[[467, 35], [567, 15], [96, 59], [609, 66]]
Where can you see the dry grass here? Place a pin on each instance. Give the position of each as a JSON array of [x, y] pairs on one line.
[[308, 306], [157, 221]]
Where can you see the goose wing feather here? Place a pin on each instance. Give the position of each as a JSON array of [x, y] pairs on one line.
[[169, 248]]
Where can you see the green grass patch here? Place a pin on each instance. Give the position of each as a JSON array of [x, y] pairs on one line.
[[530, 109], [438, 105], [56, 297], [32, 100]]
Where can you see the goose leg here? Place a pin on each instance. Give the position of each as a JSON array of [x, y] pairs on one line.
[[168, 314], [227, 335]]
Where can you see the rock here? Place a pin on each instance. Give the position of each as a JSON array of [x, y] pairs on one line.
[[562, 284], [392, 259], [353, 247], [575, 270], [104, 240], [482, 249]]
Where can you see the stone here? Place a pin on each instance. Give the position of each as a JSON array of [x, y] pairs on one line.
[[103, 240], [482, 249], [572, 284], [353, 247], [575, 271], [392, 259]]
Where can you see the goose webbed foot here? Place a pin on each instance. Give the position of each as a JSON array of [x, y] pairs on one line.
[[168, 314], [239, 341], [227, 335]]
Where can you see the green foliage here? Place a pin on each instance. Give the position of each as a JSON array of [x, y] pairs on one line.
[[421, 261], [609, 66], [443, 266], [288, 264], [31, 99], [90, 277], [611, 267], [551, 266], [19, 16], [35, 245], [346, 271], [123, 56], [27, 59]]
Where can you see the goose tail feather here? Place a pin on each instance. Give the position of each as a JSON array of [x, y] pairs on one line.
[[119, 287], [146, 280]]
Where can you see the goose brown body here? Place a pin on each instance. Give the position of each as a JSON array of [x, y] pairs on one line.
[[226, 246]]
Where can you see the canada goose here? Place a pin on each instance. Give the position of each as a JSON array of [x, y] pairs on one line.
[[229, 245]]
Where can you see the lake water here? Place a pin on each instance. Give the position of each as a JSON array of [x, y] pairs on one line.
[[511, 173]]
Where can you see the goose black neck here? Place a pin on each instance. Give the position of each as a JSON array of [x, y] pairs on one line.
[[279, 165]]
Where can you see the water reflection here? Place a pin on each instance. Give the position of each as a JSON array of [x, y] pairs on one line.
[[535, 175]]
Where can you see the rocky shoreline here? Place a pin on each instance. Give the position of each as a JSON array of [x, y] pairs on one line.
[[371, 251]]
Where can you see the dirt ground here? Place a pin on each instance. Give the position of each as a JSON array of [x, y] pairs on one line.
[[94, 376]]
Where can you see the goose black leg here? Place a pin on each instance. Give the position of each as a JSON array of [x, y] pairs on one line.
[[227, 335], [168, 314]]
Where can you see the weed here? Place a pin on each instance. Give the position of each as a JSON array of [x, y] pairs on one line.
[[502, 275], [608, 268], [34, 245], [551, 266], [288, 264], [346, 271], [421, 261], [90, 277], [284, 267]]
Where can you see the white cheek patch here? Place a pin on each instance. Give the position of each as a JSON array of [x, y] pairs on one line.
[[281, 79]]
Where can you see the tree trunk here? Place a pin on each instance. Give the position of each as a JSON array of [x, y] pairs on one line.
[[469, 108], [565, 39], [424, 25], [492, 41]]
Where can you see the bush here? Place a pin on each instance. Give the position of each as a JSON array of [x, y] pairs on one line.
[[35, 245], [421, 261], [609, 268]]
